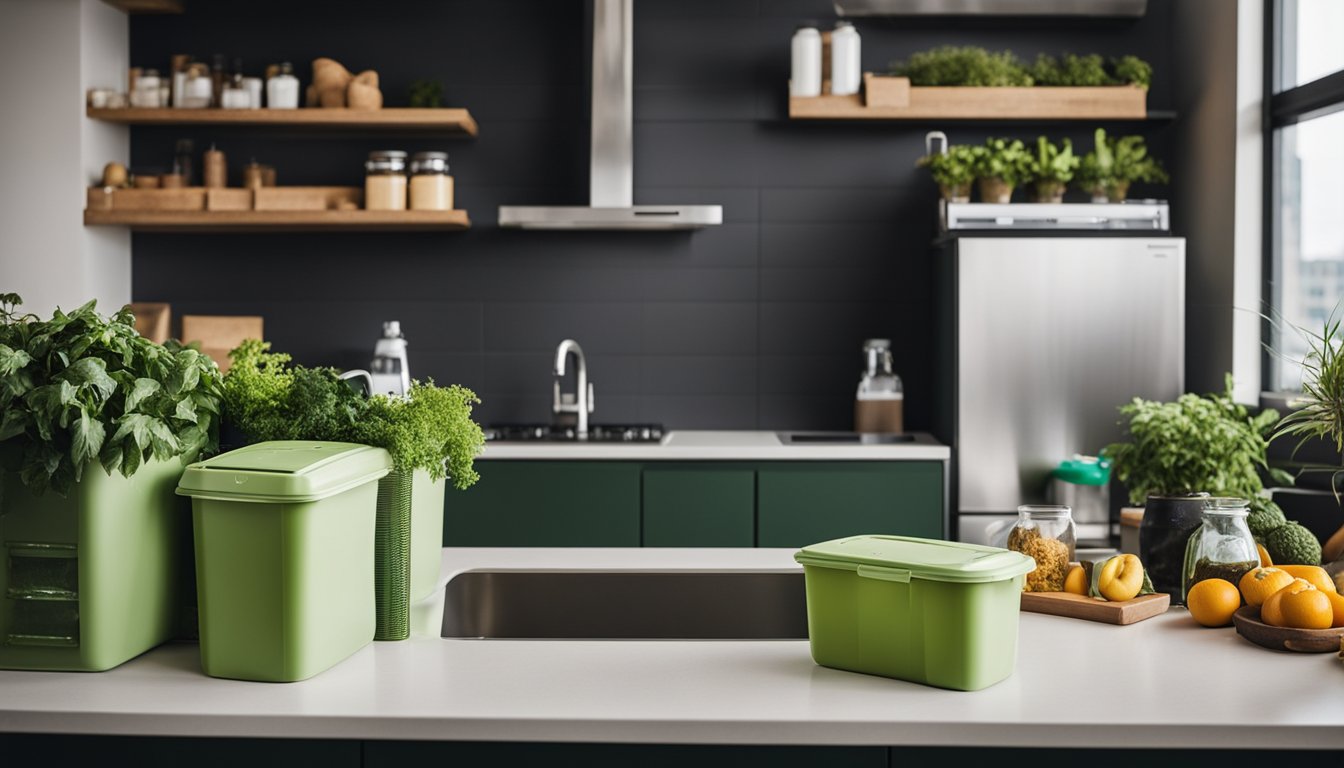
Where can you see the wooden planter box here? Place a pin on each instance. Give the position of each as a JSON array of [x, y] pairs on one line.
[[893, 98]]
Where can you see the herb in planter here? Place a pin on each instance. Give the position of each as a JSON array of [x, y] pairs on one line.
[[1001, 165], [965, 65], [1091, 71], [1052, 169], [268, 398], [1194, 444], [953, 171], [80, 387], [426, 94], [1114, 164]]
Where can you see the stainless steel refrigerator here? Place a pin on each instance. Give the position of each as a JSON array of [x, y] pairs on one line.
[[1046, 334]]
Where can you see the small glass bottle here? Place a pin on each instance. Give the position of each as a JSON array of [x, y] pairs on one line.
[[431, 186], [1046, 534], [385, 181], [1222, 547], [880, 400]]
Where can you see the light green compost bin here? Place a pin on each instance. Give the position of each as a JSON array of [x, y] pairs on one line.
[[284, 556], [936, 612]]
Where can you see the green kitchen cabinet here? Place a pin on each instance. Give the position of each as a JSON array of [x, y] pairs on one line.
[[699, 505], [803, 503], [546, 504]]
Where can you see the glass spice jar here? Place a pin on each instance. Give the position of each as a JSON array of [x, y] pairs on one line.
[[385, 181], [1046, 534], [1222, 547], [431, 186]]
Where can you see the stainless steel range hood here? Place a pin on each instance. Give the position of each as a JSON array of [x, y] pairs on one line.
[[1111, 8], [612, 177]]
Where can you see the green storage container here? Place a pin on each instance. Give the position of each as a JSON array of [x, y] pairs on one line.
[[936, 612], [284, 534], [94, 578]]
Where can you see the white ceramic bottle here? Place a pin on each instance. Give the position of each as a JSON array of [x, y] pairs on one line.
[[845, 74], [282, 91], [805, 75]]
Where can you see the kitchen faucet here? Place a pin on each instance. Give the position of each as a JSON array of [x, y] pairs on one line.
[[580, 401]]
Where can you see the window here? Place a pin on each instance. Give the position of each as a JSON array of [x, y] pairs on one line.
[[1305, 144]]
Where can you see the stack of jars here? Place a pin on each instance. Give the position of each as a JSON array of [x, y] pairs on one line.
[[389, 185]]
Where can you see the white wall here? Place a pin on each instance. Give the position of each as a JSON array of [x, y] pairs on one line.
[[52, 52]]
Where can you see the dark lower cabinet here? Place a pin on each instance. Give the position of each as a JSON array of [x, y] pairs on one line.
[[401, 754], [699, 506], [803, 504]]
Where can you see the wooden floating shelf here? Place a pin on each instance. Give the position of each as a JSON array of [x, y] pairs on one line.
[[146, 6], [280, 221], [450, 120], [893, 98]]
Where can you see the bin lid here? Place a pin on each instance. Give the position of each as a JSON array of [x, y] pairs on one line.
[[1084, 470], [899, 558], [285, 471]]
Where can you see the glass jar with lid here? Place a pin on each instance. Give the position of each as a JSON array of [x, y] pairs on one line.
[[880, 399], [431, 186], [1222, 547], [385, 181], [1046, 534]]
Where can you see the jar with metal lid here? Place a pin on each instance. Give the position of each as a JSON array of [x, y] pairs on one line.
[[385, 181], [1046, 534], [1222, 547], [431, 186]]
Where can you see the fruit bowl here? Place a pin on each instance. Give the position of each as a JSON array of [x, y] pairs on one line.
[[1248, 624]]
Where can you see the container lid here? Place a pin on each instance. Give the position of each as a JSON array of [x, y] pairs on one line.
[[284, 471], [900, 558], [1084, 470]]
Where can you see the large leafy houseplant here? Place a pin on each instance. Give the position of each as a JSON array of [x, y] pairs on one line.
[[1113, 164], [953, 171], [81, 388]]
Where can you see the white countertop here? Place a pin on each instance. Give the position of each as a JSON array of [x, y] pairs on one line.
[[746, 445], [1164, 682]]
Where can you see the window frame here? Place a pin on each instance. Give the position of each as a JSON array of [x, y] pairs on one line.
[[1281, 109]]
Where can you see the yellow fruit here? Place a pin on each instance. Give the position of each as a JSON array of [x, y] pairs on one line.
[[1121, 578], [1259, 583], [1337, 607], [1271, 612], [1265, 560], [1076, 580], [1212, 602], [1315, 575], [1305, 607]]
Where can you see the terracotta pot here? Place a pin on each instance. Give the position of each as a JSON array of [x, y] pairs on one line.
[[995, 190], [1117, 191], [1049, 192], [956, 193]]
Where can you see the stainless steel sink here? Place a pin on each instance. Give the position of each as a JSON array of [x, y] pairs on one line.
[[685, 605], [846, 438]]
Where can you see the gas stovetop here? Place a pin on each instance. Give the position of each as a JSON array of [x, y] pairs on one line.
[[597, 433]]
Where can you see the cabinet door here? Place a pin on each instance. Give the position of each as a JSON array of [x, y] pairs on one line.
[[699, 506], [546, 504], [804, 503]]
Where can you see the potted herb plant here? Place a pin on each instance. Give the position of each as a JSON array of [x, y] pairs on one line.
[[97, 423], [1051, 170], [953, 171], [1001, 165], [1113, 164], [1179, 453], [429, 433]]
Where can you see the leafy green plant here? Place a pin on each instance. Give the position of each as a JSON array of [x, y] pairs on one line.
[[1114, 164], [962, 65], [426, 94], [266, 397], [1004, 159], [1052, 163], [953, 169], [1134, 71], [1071, 70], [80, 388], [1193, 444]]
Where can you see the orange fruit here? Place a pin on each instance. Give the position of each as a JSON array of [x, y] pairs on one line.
[[1315, 575], [1306, 607], [1260, 583], [1270, 612], [1212, 602], [1265, 560], [1337, 606]]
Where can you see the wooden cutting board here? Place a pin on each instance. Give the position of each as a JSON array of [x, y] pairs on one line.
[[1092, 609]]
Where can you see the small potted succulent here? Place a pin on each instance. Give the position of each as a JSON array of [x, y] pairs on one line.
[[1001, 165], [953, 171], [1051, 170], [1113, 164]]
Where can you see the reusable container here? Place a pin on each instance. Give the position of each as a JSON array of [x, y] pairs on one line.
[[940, 613], [284, 534]]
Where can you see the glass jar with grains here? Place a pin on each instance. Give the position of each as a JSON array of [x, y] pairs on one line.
[[1046, 534], [385, 181], [1222, 547], [431, 186]]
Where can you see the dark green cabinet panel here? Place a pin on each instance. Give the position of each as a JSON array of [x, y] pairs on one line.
[[176, 752], [699, 506], [546, 504], [804, 503], [400, 754]]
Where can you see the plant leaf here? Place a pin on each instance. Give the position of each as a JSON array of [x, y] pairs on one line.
[[143, 388], [86, 440], [91, 372], [14, 423]]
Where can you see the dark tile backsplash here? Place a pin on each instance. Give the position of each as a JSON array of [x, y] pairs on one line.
[[754, 324]]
